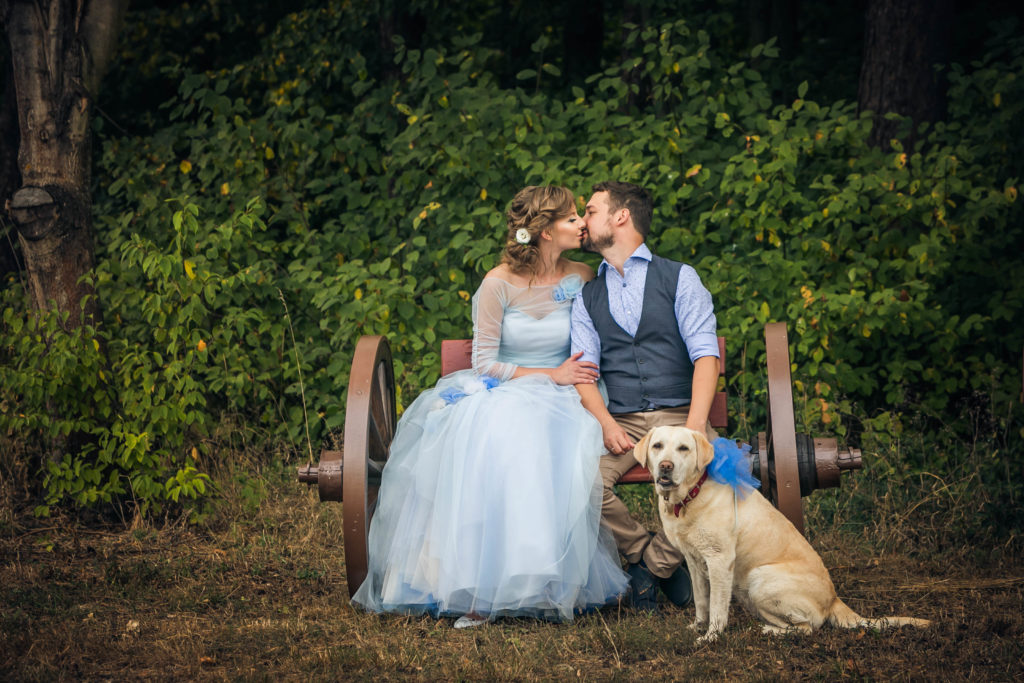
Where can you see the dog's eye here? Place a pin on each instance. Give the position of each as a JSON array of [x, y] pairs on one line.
[[657, 446], [682, 447]]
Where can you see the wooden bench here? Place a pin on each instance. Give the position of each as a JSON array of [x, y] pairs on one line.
[[788, 465]]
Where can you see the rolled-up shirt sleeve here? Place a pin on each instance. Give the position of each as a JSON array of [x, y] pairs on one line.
[[695, 314], [583, 334]]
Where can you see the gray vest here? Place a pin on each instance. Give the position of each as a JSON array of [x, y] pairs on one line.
[[652, 369]]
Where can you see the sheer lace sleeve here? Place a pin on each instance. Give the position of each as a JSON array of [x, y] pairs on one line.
[[489, 304]]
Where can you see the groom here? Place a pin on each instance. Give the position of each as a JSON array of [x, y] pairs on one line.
[[649, 324]]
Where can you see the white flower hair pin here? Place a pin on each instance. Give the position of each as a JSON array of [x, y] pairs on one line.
[[523, 236]]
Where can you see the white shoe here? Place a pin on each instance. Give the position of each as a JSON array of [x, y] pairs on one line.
[[469, 621]]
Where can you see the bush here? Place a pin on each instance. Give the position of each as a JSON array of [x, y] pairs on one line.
[[308, 196]]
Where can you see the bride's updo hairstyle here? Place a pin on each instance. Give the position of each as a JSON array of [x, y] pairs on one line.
[[533, 209]]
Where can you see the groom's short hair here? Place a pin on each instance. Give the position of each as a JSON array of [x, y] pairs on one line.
[[632, 197]]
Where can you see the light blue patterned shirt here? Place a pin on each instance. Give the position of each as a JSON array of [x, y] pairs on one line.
[[695, 313]]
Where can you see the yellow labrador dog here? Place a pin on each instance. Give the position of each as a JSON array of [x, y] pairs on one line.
[[740, 546]]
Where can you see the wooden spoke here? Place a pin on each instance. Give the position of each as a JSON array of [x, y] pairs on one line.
[[781, 435], [379, 440], [374, 468], [369, 429], [381, 411], [386, 389]]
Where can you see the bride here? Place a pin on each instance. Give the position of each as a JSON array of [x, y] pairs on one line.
[[490, 501]]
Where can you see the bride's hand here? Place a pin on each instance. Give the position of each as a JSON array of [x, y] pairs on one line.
[[575, 371]]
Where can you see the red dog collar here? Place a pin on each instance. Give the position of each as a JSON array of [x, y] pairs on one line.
[[691, 495]]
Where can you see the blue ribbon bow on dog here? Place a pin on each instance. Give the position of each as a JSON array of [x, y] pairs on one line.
[[732, 465]]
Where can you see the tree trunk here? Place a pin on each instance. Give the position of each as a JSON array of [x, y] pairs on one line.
[[903, 41], [10, 178], [59, 51]]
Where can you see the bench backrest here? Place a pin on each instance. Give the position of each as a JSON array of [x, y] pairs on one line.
[[457, 354]]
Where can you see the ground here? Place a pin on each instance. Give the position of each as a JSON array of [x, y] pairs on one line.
[[262, 595]]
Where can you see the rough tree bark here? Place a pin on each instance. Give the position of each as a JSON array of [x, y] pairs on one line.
[[59, 52], [10, 179], [903, 41]]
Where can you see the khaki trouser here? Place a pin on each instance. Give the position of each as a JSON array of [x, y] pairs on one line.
[[631, 537]]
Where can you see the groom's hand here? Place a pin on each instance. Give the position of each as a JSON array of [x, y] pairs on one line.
[[616, 440]]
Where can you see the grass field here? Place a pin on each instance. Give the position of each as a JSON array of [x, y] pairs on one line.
[[260, 593]]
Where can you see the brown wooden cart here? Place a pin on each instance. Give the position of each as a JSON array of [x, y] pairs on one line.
[[789, 465]]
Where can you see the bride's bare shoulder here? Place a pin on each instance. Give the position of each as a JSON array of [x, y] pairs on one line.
[[499, 272], [505, 274]]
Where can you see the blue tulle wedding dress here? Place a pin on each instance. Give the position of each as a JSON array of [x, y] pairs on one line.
[[490, 500]]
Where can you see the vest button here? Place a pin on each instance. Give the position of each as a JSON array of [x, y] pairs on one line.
[[643, 379], [641, 360]]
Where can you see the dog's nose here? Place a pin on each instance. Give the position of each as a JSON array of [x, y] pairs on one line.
[[665, 466]]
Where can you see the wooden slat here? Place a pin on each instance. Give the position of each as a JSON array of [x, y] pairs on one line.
[[456, 354], [637, 475], [719, 415]]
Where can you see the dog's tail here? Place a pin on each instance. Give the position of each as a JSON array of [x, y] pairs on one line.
[[842, 616]]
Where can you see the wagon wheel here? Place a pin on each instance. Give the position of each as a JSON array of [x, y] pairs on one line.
[[783, 475], [369, 427]]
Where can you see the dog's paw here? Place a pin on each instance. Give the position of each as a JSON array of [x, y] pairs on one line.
[[698, 625], [770, 630], [709, 637]]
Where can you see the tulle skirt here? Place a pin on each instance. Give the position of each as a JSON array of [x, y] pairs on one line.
[[490, 503]]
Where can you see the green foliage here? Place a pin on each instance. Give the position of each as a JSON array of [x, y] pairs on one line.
[[313, 191], [53, 388]]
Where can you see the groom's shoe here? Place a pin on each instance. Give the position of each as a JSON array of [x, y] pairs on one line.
[[677, 587], [643, 590]]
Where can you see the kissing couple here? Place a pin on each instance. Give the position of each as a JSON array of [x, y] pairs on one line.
[[498, 496]]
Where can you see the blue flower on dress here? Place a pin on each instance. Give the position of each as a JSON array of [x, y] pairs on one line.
[[471, 385], [568, 288]]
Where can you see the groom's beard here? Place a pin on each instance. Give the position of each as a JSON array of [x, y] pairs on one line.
[[599, 244]]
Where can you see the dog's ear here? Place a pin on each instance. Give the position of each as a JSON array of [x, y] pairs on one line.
[[640, 450], [705, 451]]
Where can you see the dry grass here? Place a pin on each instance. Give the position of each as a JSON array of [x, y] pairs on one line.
[[261, 595]]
